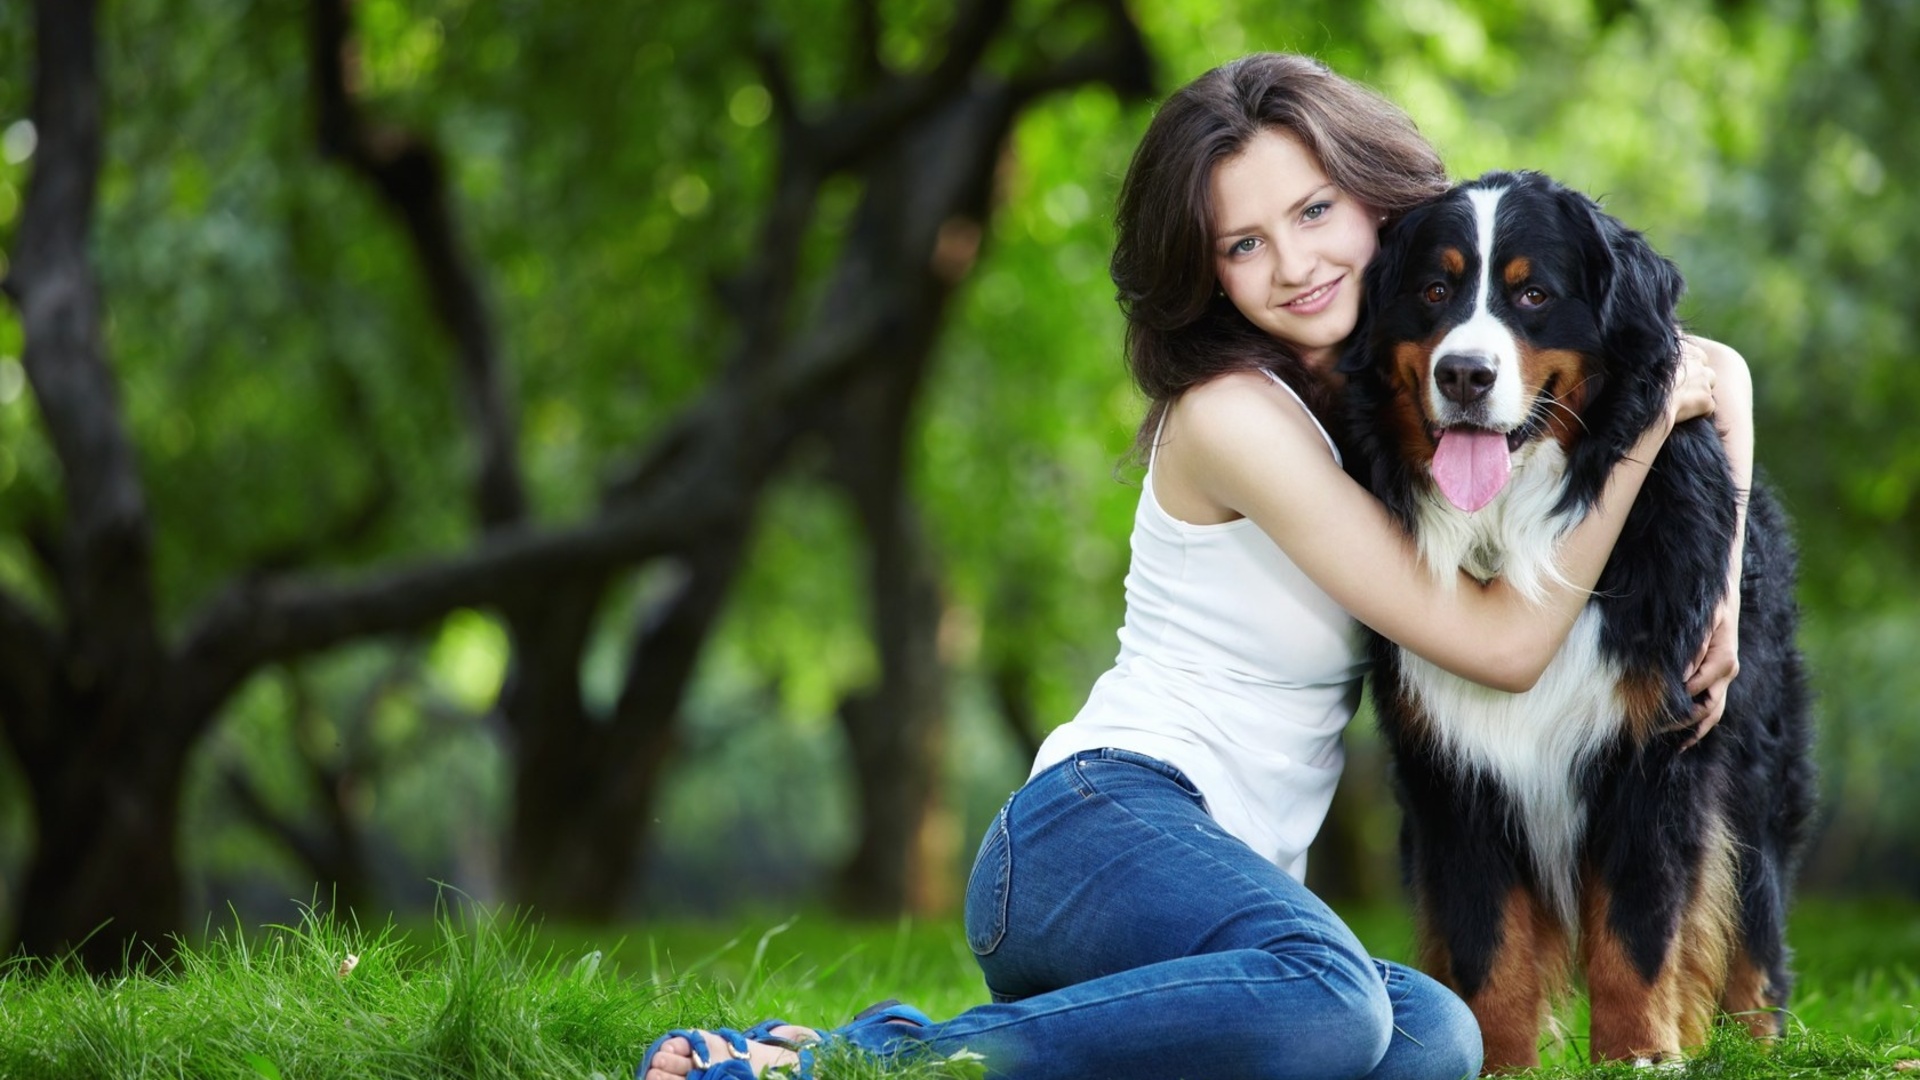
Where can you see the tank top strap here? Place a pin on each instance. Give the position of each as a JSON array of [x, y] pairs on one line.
[[1317, 426], [1160, 428]]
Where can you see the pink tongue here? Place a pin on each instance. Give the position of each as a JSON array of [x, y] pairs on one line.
[[1471, 466]]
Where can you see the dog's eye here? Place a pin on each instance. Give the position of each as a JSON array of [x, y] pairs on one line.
[[1531, 297], [1435, 293]]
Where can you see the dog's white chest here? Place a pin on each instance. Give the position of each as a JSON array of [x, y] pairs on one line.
[[1533, 744]]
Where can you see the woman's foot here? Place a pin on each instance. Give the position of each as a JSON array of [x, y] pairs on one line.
[[674, 1060]]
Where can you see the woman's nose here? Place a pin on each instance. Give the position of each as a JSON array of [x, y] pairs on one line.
[[1292, 264]]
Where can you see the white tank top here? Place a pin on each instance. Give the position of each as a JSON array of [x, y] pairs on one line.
[[1234, 668]]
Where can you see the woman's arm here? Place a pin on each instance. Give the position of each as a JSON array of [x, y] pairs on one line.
[[1719, 658], [1247, 446]]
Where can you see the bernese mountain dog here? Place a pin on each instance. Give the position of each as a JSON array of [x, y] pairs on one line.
[[1517, 340]]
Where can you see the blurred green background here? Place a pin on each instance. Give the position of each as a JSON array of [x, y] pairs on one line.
[[860, 686]]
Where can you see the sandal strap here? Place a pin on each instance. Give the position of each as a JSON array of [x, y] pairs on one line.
[[736, 1065]]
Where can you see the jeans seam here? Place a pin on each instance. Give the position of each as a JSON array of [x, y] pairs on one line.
[[1171, 773], [1003, 887], [1157, 988]]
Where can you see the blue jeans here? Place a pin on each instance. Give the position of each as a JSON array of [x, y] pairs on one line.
[[1124, 935]]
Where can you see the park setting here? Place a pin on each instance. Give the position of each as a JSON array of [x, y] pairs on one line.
[[525, 526]]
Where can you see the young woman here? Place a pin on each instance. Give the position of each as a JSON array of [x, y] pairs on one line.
[[1137, 906]]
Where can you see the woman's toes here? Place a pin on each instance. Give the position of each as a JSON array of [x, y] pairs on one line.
[[672, 1061]]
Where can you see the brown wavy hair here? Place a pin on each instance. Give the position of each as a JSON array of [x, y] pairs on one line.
[[1181, 330]]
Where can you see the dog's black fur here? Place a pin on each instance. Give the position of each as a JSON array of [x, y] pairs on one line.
[[1655, 824]]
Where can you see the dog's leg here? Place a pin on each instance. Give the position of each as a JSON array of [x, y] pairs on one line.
[[1479, 930], [1757, 982], [1749, 1000], [1524, 972], [1656, 943]]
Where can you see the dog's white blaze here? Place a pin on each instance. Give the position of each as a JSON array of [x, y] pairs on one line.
[[1534, 744], [1484, 333]]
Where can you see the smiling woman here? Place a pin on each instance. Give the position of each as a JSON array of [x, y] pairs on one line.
[[1290, 246]]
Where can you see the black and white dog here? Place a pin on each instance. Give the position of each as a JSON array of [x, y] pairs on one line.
[[1516, 342]]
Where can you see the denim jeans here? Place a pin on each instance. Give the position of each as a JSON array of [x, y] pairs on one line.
[[1124, 935]]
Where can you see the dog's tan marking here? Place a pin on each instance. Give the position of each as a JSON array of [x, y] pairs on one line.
[[1517, 271], [1644, 695], [1708, 932], [1406, 420], [1528, 974], [1566, 370], [1637, 1018], [1748, 1001], [1452, 261], [1632, 1017]]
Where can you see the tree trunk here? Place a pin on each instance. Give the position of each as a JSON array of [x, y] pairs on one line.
[[896, 732], [104, 879], [573, 836]]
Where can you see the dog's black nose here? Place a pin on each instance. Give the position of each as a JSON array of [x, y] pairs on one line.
[[1464, 377]]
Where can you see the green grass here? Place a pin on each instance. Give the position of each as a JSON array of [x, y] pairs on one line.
[[477, 995]]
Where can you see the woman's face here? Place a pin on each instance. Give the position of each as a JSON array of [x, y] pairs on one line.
[[1289, 247]]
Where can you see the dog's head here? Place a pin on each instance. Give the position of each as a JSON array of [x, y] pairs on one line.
[[1510, 321]]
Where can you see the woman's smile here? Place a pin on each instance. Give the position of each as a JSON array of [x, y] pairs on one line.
[[1316, 299]]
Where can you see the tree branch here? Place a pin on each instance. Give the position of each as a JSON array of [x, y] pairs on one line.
[[669, 642], [105, 559], [857, 129], [707, 473], [1121, 60], [868, 65], [406, 171]]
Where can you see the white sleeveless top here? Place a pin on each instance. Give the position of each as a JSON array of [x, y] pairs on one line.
[[1234, 668]]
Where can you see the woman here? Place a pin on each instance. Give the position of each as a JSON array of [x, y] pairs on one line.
[[1137, 906]]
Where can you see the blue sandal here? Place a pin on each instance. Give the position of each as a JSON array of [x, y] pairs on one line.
[[736, 1066], [888, 1012]]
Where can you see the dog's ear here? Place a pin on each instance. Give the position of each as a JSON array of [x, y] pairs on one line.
[[1382, 280], [1637, 288], [1633, 291]]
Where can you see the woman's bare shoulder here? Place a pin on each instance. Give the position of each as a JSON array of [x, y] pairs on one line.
[[1241, 409]]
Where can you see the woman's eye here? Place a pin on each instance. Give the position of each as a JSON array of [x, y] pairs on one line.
[[1531, 297], [1316, 211], [1435, 293], [1245, 246]]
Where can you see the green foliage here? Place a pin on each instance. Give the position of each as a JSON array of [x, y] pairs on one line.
[[280, 368]]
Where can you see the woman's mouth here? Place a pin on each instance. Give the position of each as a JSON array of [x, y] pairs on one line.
[[1314, 300]]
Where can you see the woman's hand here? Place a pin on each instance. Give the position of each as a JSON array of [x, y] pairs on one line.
[[1693, 384], [1715, 666], [1719, 658]]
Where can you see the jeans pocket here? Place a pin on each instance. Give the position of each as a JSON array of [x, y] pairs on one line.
[[987, 888]]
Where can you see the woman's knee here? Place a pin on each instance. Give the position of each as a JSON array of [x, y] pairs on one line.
[[1454, 1043], [1436, 1036], [1328, 1016]]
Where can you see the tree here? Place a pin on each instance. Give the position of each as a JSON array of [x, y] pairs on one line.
[[102, 705]]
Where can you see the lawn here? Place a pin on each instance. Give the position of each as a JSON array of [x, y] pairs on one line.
[[479, 995]]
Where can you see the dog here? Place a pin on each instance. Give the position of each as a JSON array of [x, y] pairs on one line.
[[1516, 342]]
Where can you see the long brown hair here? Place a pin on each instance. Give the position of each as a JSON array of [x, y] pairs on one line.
[[1181, 331]]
